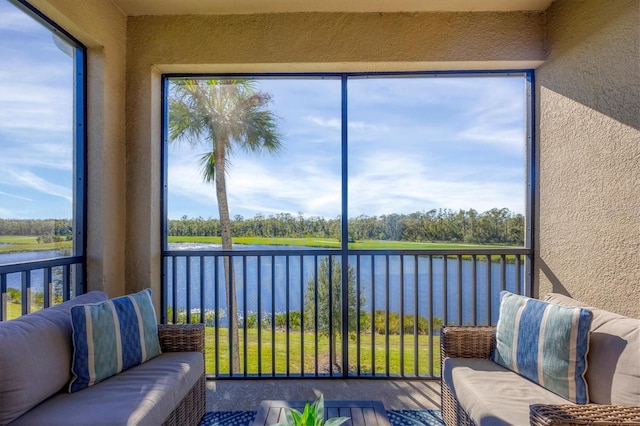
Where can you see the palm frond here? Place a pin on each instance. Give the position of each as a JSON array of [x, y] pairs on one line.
[[208, 166], [228, 111]]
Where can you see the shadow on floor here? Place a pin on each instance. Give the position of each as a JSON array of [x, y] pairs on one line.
[[396, 394]]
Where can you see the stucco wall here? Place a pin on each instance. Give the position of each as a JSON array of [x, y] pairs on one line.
[[289, 42], [102, 28], [588, 216], [587, 204]]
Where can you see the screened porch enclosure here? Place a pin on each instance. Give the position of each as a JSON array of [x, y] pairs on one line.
[[295, 321], [437, 215]]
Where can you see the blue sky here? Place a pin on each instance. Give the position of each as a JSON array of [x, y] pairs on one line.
[[415, 144], [36, 122]]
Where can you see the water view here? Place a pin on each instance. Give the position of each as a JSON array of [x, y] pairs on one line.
[[285, 278]]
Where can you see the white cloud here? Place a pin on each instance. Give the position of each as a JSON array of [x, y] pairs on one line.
[[332, 123], [36, 78], [385, 182], [497, 119], [29, 179], [40, 108], [18, 197], [414, 144], [11, 19], [258, 185], [31, 153], [392, 182]]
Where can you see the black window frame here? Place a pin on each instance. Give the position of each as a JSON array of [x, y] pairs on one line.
[[530, 155], [77, 260]]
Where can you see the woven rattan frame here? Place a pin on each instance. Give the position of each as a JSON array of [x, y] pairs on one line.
[[478, 342], [452, 412], [181, 337], [462, 342], [589, 414], [185, 338], [192, 407]]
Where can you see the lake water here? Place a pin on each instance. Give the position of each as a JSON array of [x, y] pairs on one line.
[[281, 282], [25, 256], [273, 287], [37, 276]]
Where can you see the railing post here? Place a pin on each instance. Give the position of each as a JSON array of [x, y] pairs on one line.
[[25, 277], [3, 297], [426, 277], [46, 287]]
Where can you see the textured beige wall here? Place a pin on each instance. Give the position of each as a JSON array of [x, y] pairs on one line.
[[588, 113], [365, 41], [102, 28], [288, 42], [588, 219]]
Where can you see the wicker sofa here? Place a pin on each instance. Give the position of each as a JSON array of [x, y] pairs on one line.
[[36, 352], [477, 391]]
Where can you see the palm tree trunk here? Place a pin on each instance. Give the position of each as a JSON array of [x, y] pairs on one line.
[[227, 244]]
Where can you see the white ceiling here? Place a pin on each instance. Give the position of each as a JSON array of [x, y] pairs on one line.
[[224, 7]]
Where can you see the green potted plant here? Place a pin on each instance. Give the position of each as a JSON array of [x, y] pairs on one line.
[[312, 415]]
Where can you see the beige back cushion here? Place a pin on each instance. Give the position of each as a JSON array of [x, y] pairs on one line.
[[613, 362], [35, 356]]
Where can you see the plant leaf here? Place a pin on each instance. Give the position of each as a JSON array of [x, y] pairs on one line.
[[319, 406], [296, 417], [290, 416], [336, 421], [305, 414]]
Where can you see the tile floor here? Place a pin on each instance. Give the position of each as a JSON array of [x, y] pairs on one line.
[[396, 394]]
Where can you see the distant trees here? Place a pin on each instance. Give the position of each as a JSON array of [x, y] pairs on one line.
[[495, 226], [47, 230]]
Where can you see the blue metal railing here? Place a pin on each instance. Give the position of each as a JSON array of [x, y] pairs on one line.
[[39, 284], [295, 318]]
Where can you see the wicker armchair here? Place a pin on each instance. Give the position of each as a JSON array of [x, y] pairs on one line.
[[462, 342], [185, 338], [478, 342]]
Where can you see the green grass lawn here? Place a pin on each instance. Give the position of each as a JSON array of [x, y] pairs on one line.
[[329, 242], [11, 243], [364, 244], [28, 243], [296, 358], [14, 310]]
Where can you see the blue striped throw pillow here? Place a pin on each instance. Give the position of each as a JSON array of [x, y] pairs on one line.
[[112, 336], [545, 343]]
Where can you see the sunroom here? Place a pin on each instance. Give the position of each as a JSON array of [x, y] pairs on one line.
[[577, 63]]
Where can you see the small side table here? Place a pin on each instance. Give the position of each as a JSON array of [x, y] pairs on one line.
[[361, 413]]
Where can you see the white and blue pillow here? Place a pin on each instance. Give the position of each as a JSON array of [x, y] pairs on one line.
[[112, 336], [545, 343]]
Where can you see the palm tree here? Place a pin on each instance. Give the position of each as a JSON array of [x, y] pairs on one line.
[[221, 116]]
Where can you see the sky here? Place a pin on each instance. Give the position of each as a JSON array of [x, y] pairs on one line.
[[414, 144], [36, 120]]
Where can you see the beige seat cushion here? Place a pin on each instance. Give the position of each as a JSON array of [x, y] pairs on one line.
[[143, 395], [613, 361], [35, 356], [493, 395]]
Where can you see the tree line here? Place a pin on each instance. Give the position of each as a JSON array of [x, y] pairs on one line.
[[47, 230], [495, 226]]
